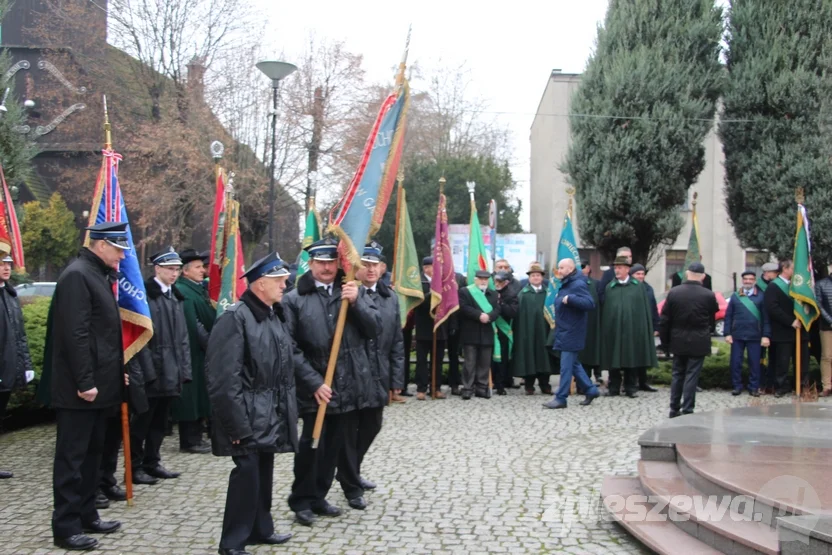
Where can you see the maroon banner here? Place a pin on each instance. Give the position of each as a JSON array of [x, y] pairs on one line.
[[444, 291]]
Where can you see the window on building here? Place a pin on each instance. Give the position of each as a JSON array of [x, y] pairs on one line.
[[674, 263], [754, 260]]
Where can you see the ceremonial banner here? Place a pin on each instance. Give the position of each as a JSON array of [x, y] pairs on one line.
[[566, 249], [362, 207], [406, 277], [108, 206], [219, 234], [232, 271], [476, 249], [312, 234], [10, 240], [444, 290], [802, 285]]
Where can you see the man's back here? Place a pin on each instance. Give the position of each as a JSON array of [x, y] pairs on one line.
[[686, 319]]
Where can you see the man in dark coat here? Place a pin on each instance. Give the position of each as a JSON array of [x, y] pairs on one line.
[[780, 308], [531, 334], [453, 343], [15, 362], [508, 291], [386, 355], [590, 357], [768, 273], [87, 382], [167, 360], [424, 339], [192, 406], [639, 272], [747, 329], [478, 310], [311, 311], [249, 372], [687, 317], [571, 307], [627, 328]]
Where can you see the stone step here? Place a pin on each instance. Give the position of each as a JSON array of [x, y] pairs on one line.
[[702, 514], [660, 535]]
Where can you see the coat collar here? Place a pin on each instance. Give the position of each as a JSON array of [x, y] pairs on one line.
[[93, 259], [154, 290], [9, 289], [306, 283], [258, 308], [185, 283]]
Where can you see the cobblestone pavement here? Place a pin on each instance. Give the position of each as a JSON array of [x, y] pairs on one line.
[[454, 476]]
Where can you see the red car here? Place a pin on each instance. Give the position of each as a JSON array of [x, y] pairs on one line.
[[720, 315]]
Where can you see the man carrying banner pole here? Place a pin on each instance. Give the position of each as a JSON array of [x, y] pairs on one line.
[[802, 290]]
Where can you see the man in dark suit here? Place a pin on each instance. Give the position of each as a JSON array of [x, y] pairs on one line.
[[780, 308], [478, 309], [424, 339]]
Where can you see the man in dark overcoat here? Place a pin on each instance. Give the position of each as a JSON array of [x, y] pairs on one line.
[[590, 356], [780, 308], [424, 339], [386, 356], [15, 362], [166, 364], [249, 373], [311, 312], [478, 310], [508, 291], [88, 379]]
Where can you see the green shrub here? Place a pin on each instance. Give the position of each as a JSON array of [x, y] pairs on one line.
[[35, 311]]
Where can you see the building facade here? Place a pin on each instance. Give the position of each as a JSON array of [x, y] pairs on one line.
[[722, 255]]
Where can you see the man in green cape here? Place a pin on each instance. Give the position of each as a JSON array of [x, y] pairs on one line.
[[192, 405], [531, 331], [590, 357], [627, 328]]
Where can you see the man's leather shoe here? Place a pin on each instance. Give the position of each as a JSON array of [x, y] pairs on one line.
[[398, 399], [305, 517], [78, 542], [529, 391], [274, 539], [327, 510], [406, 393], [588, 400], [101, 501], [646, 387], [755, 393], [420, 396], [114, 493], [632, 395], [200, 449], [223, 551], [455, 391], [358, 503], [102, 526], [780, 394], [736, 392], [466, 395], [5, 475], [160, 471], [546, 390], [501, 391], [554, 404], [366, 484], [674, 414], [142, 477], [440, 395]]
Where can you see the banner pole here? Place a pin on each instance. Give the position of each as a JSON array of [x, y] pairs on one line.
[[797, 362]]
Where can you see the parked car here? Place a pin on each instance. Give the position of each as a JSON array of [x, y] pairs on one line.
[[36, 289], [722, 301]]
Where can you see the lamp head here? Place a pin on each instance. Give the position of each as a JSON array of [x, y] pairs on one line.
[[275, 70]]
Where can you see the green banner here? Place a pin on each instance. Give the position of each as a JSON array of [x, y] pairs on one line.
[[500, 324], [802, 285], [228, 290], [312, 234], [406, 274]]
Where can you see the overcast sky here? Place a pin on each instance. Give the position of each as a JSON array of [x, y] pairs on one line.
[[509, 49]]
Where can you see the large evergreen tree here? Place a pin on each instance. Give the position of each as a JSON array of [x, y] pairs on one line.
[[776, 124], [644, 106]]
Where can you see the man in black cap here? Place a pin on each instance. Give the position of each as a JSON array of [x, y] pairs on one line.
[[192, 406], [250, 378], [311, 311], [15, 361], [166, 364], [747, 329], [479, 310], [88, 381], [386, 354], [639, 272], [780, 308], [424, 339], [508, 290], [687, 317], [768, 273]]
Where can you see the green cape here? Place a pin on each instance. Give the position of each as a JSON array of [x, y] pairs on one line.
[[531, 331], [193, 403], [627, 327]]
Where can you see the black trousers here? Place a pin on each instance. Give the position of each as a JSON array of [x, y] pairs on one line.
[[454, 378], [190, 433], [642, 377], [423, 367], [248, 502], [630, 380], [78, 447], [109, 455], [501, 371], [357, 441], [784, 353], [408, 348], [315, 468], [4, 401], [683, 384], [767, 380], [147, 431], [477, 369], [542, 382]]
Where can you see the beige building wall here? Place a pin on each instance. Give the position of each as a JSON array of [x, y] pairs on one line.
[[550, 136]]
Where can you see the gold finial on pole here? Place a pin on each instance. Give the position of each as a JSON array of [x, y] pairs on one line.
[[400, 177], [571, 192], [442, 185], [217, 150], [108, 135], [695, 196], [799, 195]]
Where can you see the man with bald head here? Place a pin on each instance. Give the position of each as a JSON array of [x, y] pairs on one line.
[[571, 307]]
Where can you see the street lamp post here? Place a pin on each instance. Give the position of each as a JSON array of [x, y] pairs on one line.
[[274, 71]]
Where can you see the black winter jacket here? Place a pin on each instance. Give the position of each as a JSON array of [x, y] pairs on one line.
[[386, 352], [250, 379], [165, 361], [687, 318], [87, 349], [424, 321], [15, 360], [311, 318], [472, 331], [780, 308], [509, 300]]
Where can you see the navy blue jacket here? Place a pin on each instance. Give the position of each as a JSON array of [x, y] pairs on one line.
[[654, 307], [571, 318], [741, 324]]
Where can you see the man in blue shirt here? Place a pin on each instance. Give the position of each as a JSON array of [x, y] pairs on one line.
[[747, 329]]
